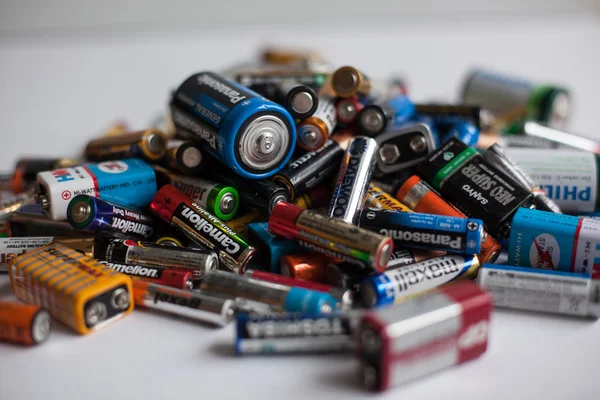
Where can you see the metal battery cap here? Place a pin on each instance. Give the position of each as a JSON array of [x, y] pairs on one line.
[[264, 142], [346, 110], [95, 313], [389, 153], [80, 210], [371, 120], [191, 157], [120, 299], [154, 144], [302, 102], [40, 327], [418, 144]]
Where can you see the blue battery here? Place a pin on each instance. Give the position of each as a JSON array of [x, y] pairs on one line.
[[129, 182], [250, 134], [464, 131], [271, 248], [93, 214], [542, 239], [390, 114], [394, 286], [426, 231], [309, 301]]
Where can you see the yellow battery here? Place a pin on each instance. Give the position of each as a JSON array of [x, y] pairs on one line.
[[76, 289]]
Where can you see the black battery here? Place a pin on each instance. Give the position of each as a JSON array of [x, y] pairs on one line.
[[474, 186], [311, 169], [260, 195]]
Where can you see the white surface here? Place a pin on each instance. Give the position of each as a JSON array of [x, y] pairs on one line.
[[58, 90]]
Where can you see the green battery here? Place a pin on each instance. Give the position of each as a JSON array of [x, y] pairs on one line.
[[220, 200], [513, 101]]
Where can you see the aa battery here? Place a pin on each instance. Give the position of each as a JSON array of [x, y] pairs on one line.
[[307, 266], [348, 82], [11, 204], [426, 231], [184, 156], [313, 167], [76, 290], [256, 78], [290, 299], [261, 195], [394, 286], [299, 100], [474, 186], [92, 214], [347, 110], [183, 303], [404, 147], [419, 196], [353, 180], [377, 198], [24, 323], [181, 279], [150, 144], [26, 170], [30, 220], [343, 296], [466, 132], [294, 333], [447, 327], [510, 98], [203, 228], [332, 237], [568, 177], [559, 138], [314, 131], [446, 115], [131, 252], [386, 115], [219, 199], [541, 290], [250, 134], [542, 239], [270, 247], [129, 182], [496, 156]]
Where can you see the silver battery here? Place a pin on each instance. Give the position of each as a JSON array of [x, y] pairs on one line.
[[295, 333], [125, 251], [184, 303], [563, 139], [497, 157], [540, 290], [353, 180]]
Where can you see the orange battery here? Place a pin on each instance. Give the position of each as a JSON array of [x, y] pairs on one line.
[[378, 198], [76, 289], [419, 196], [309, 266], [23, 323]]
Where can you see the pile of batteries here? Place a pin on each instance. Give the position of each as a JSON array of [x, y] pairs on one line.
[[320, 209]]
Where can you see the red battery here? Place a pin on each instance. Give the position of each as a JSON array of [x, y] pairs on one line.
[[173, 278], [332, 237], [420, 197], [23, 323], [344, 296], [445, 327], [347, 109]]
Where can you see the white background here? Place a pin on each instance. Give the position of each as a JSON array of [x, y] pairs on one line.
[[67, 70]]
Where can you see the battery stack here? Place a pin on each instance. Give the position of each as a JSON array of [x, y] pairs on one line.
[[319, 208]]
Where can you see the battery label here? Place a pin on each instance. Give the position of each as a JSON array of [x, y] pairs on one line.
[[129, 182], [570, 178], [15, 246], [473, 185], [377, 198], [547, 240], [423, 230], [539, 290], [196, 189], [211, 229], [135, 270], [326, 112], [395, 285]]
